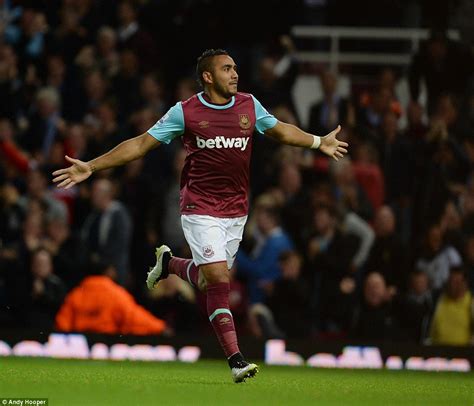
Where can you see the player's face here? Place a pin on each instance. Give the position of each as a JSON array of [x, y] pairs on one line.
[[224, 75]]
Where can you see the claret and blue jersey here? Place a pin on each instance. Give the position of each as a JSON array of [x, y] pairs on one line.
[[218, 142]]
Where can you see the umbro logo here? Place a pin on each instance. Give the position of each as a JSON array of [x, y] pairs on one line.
[[223, 142]]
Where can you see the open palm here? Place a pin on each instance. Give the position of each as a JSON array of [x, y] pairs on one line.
[[331, 146], [76, 173]]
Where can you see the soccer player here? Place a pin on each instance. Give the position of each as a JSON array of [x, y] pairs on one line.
[[216, 126]]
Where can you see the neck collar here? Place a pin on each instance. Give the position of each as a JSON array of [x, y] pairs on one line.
[[215, 106]]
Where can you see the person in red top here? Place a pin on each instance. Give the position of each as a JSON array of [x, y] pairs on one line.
[[99, 305], [216, 126]]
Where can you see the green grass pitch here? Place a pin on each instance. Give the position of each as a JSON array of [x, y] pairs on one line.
[[77, 382]]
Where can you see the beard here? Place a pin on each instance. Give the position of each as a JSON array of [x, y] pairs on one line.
[[224, 91]]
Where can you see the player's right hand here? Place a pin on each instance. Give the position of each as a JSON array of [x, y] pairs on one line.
[[76, 173]]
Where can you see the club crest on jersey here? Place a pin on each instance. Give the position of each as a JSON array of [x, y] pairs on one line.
[[203, 124], [244, 121], [207, 251]]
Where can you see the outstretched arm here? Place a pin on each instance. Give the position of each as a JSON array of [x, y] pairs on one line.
[[123, 153], [292, 135]]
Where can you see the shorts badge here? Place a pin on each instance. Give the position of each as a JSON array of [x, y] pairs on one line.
[[207, 251]]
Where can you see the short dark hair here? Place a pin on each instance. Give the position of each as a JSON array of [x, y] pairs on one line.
[[204, 62], [458, 269]]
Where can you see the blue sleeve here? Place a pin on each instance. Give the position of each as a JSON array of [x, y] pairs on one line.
[[170, 126], [264, 120]]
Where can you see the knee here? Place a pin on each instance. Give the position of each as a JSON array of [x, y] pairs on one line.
[[211, 274]]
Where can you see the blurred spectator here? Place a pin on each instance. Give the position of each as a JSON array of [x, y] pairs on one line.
[[45, 124], [139, 193], [294, 201], [33, 232], [277, 76], [417, 128], [466, 203], [437, 258], [373, 319], [387, 255], [333, 110], [347, 191], [416, 307], [10, 83], [453, 320], [171, 218], [263, 201], [9, 13], [468, 145], [12, 214], [174, 302], [107, 229], [68, 252], [64, 81], [107, 53], [441, 172], [451, 225], [127, 83], [446, 114], [132, 36], [186, 88], [91, 14], [37, 189], [15, 258], [260, 268], [47, 291], [105, 131], [358, 227], [99, 305], [69, 36], [368, 173], [15, 158], [289, 296], [151, 91], [469, 260], [350, 223], [330, 255], [77, 141], [95, 88], [373, 108], [444, 66], [396, 159], [30, 39]]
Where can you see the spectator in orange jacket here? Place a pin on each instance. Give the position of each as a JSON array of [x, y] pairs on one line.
[[99, 305]]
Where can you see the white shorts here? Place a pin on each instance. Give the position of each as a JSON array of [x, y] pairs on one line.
[[213, 239]]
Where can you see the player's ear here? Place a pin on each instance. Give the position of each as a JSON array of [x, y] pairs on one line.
[[207, 77]]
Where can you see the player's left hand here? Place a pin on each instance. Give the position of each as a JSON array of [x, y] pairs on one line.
[[331, 146]]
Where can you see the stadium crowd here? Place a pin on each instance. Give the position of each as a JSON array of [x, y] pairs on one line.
[[377, 246]]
